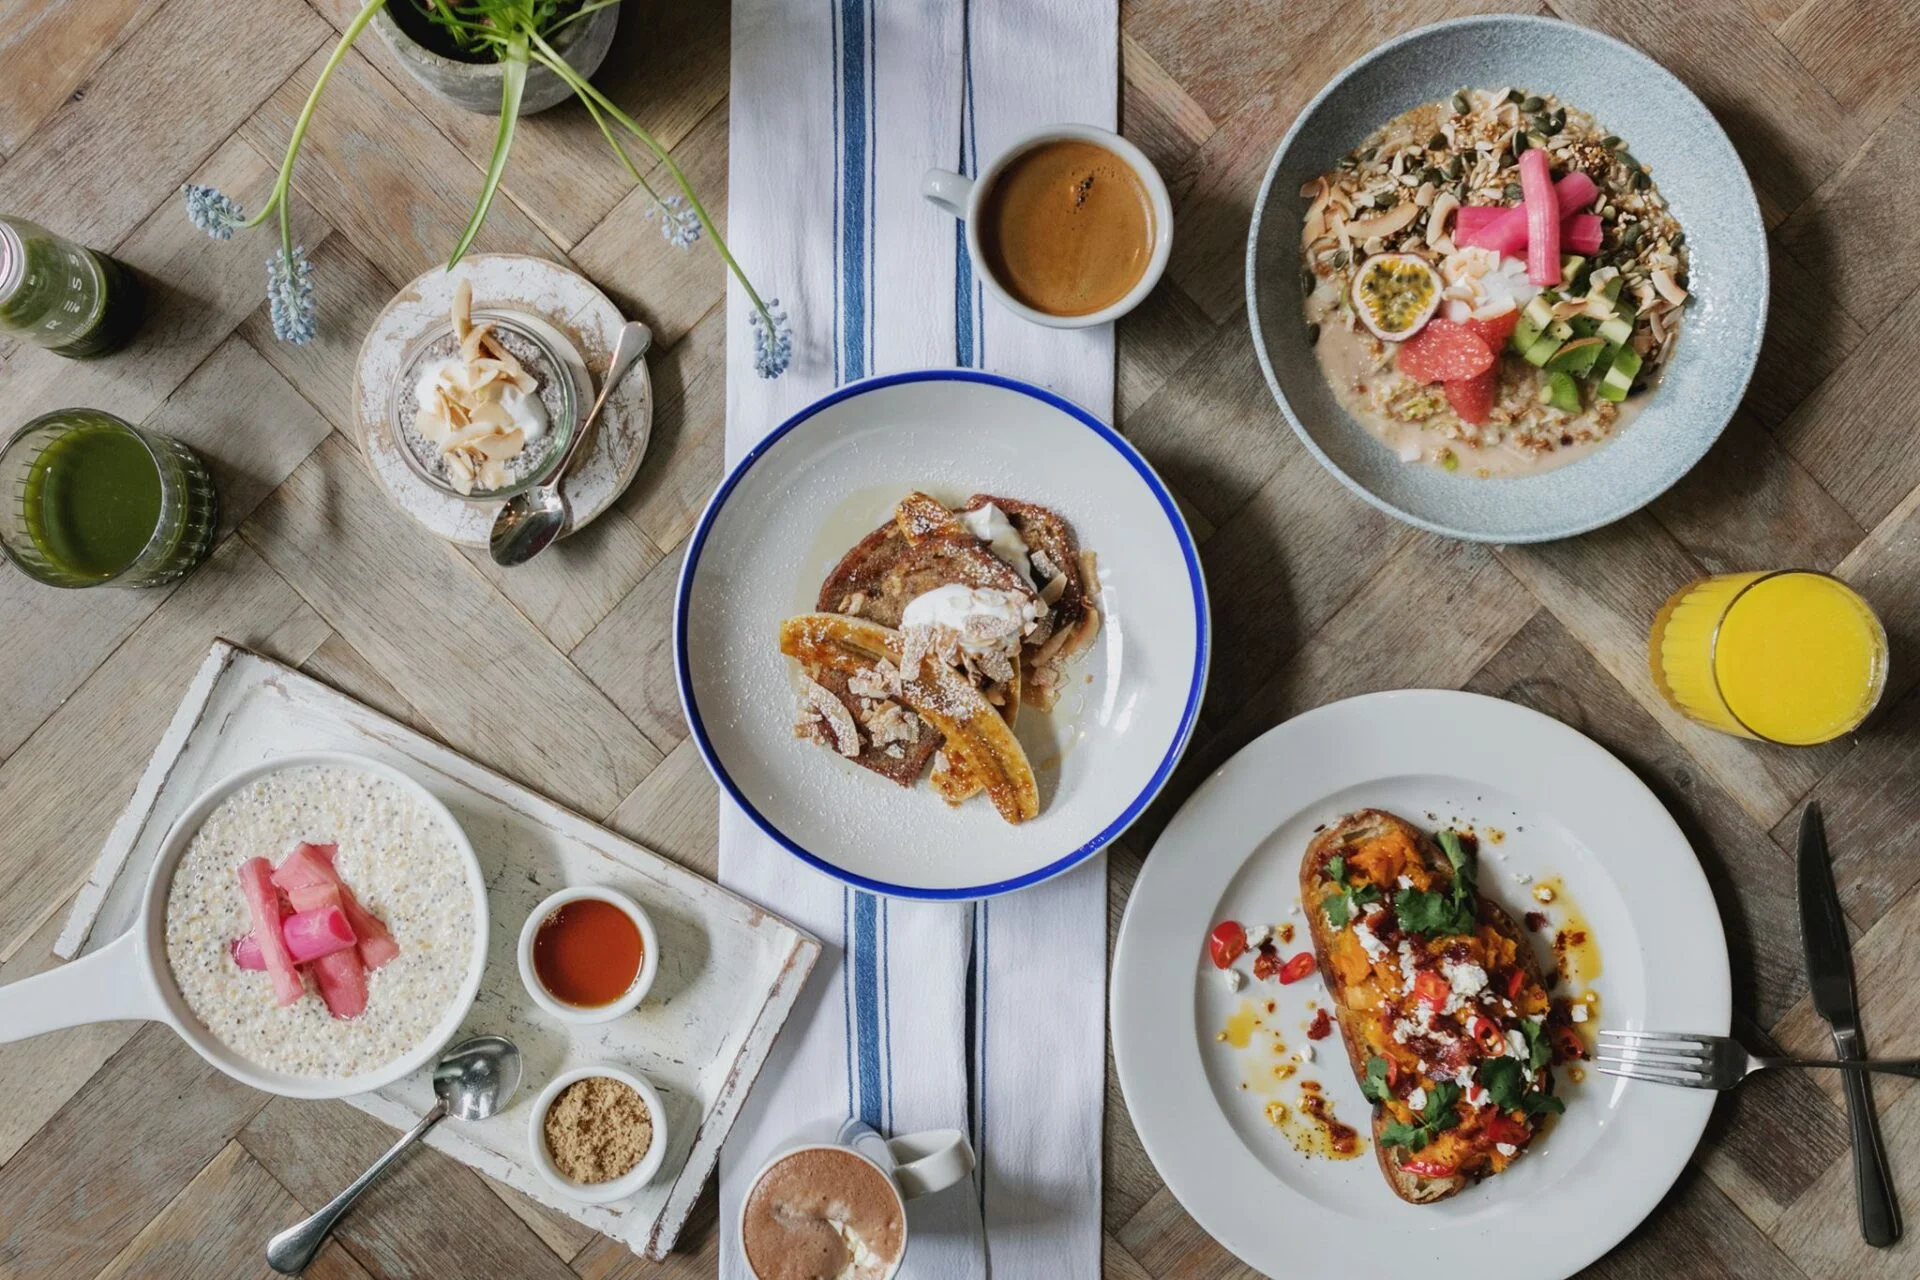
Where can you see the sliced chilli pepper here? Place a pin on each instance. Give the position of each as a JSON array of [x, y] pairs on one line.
[[1226, 943], [1516, 980], [1488, 1033], [1431, 987], [1430, 1168], [1297, 968]]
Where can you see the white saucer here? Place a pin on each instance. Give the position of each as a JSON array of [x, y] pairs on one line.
[[566, 301], [1564, 807], [827, 477]]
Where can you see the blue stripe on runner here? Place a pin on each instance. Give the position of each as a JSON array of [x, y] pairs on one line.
[[833, 27], [852, 87], [846, 990], [886, 997], [866, 1005]]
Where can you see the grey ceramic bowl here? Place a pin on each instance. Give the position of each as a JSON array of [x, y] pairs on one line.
[[475, 86], [1669, 130]]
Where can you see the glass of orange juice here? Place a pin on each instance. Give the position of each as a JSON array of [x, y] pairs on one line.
[[1792, 656]]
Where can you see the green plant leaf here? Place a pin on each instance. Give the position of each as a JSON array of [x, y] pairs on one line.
[[513, 84]]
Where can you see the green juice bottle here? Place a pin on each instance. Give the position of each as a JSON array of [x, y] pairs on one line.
[[64, 296]]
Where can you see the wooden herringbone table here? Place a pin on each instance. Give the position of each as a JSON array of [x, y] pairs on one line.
[[121, 1153]]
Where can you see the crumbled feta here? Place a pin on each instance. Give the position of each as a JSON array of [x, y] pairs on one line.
[[1233, 978], [1579, 1012], [1536, 1018], [1521, 877], [1505, 1148], [1374, 948], [1407, 968], [1467, 979], [1418, 1098], [1478, 1098], [1406, 882], [1294, 910], [1306, 1053], [1258, 934], [1516, 1045], [1541, 893], [1422, 1064]]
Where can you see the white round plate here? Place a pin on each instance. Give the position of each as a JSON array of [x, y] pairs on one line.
[[1565, 807], [817, 485], [569, 303]]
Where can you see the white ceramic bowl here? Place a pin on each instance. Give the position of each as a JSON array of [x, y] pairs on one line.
[[642, 981], [600, 1192], [827, 477]]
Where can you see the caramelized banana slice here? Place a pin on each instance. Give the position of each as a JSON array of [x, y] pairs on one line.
[[978, 739], [920, 516]]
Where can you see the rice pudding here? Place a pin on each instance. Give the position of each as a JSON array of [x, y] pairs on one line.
[[402, 863]]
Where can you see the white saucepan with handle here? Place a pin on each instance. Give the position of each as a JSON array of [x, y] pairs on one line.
[[129, 978]]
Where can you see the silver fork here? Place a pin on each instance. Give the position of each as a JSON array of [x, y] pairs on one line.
[[1710, 1062]]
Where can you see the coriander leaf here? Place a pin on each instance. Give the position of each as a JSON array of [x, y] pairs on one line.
[[1411, 1136], [1504, 1079], [1375, 1085], [1337, 870], [1363, 894], [1464, 871], [1539, 1104], [1338, 910], [1436, 915], [1437, 1117], [1539, 1048]]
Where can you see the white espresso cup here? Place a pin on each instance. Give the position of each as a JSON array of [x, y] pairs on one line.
[[914, 1165], [962, 197]]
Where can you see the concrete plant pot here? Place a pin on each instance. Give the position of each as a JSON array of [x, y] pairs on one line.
[[475, 86]]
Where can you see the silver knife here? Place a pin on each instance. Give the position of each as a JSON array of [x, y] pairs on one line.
[[1823, 932]]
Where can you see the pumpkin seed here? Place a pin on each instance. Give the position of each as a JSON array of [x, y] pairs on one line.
[[1313, 335], [1461, 103], [1532, 104], [1631, 236], [1679, 238], [1515, 191], [1541, 122], [1680, 278], [1369, 154], [1438, 142], [1641, 181], [1515, 95], [1626, 158], [1431, 174], [1611, 141], [1307, 282], [1519, 144], [1454, 167], [1340, 259]]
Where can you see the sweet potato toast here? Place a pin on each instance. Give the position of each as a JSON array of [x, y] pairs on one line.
[[1440, 1001]]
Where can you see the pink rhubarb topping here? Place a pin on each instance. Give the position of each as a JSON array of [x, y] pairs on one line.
[[1543, 218], [263, 907], [1504, 229], [328, 931]]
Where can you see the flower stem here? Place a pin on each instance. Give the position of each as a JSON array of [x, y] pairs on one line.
[[587, 93], [283, 184]]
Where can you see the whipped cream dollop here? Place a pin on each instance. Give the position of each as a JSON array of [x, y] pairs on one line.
[[991, 526], [518, 410], [985, 619]]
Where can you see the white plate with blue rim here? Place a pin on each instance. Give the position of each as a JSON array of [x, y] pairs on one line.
[[1551, 807], [813, 488]]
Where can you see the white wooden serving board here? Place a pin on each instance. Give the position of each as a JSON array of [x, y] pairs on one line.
[[729, 972]]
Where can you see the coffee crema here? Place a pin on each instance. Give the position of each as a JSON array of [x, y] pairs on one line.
[[1067, 228], [823, 1212]]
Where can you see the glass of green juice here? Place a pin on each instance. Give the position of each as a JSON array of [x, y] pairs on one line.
[[87, 500]]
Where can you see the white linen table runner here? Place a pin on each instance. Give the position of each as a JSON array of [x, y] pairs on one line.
[[991, 1017]]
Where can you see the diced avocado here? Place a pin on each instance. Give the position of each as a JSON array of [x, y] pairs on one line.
[[1620, 374], [1542, 349], [1540, 309], [1577, 357], [1562, 392], [1571, 265]]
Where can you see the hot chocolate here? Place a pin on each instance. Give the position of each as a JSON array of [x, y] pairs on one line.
[[823, 1214]]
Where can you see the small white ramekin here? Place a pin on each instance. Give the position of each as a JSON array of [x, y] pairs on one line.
[[642, 981], [598, 1192]]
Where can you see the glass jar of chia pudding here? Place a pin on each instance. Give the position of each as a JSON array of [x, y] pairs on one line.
[[63, 296]]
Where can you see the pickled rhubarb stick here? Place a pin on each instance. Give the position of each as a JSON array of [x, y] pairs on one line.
[[263, 907], [342, 980], [1543, 218], [308, 935], [1504, 228]]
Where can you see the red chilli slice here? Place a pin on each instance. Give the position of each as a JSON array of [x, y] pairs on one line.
[[1444, 351]]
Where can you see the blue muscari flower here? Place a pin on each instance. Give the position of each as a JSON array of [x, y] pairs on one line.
[[290, 295], [772, 343], [212, 212], [679, 225]]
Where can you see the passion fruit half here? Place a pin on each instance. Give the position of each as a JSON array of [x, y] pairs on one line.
[[1395, 294]]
